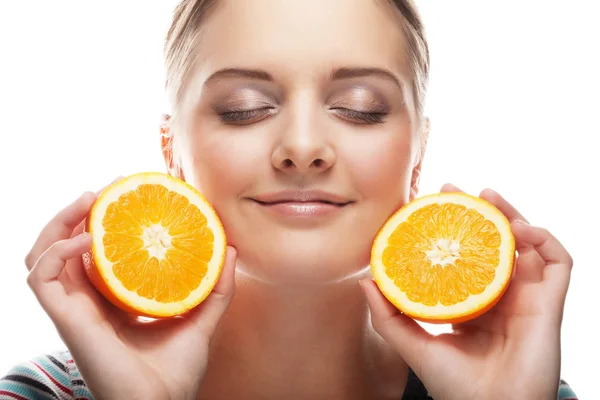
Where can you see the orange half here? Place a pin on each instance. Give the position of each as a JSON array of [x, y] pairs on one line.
[[444, 258], [158, 245]]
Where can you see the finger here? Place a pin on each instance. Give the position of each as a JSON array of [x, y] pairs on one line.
[[52, 261], [75, 272], [558, 261], [60, 227], [68, 223], [80, 228], [529, 264], [500, 203], [407, 337], [43, 275], [448, 188], [208, 314]]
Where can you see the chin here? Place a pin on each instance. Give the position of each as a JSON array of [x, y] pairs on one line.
[[308, 257]]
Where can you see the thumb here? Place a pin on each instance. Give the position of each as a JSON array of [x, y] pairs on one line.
[[207, 315], [403, 333]]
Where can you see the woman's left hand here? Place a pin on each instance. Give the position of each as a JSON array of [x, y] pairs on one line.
[[513, 350]]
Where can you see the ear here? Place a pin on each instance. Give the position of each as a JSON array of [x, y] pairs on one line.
[[414, 182], [416, 172], [166, 145]]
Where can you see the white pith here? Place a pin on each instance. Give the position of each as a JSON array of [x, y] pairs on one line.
[[445, 251], [156, 241]]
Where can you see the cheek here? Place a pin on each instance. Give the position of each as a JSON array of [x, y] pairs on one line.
[[382, 170], [223, 166], [224, 170], [381, 173]]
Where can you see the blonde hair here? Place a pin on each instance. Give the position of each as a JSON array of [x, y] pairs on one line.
[[181, 48]]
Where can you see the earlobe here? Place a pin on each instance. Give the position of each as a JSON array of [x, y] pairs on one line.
[[166, 146], [177, 172], [414, 182]]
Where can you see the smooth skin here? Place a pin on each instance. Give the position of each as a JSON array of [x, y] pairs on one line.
[[517, 341], [299, 325]]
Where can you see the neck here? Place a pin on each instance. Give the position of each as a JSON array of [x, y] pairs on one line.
[[300, 342]]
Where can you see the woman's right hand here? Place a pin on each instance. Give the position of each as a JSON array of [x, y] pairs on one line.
[[119, 356]]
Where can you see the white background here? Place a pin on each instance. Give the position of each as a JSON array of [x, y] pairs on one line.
[[513, 101]]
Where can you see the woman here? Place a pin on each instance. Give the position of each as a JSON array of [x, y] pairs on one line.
[[302, 122]]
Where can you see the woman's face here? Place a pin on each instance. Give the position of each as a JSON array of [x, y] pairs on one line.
[[301, 132]]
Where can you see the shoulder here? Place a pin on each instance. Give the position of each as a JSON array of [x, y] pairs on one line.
[[49, 376], [565, 392]]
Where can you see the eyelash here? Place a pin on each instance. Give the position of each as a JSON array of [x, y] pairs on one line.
[[245, 116], [363, 117], [250, 116]]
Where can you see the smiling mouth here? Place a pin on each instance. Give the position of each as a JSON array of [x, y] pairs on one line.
[[301, 196], [302, 210], [298, 202], [305, 204]]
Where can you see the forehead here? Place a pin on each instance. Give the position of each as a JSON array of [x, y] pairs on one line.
[[299, 36]]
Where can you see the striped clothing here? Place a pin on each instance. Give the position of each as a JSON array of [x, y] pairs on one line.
[[55, 377], [52, 376]]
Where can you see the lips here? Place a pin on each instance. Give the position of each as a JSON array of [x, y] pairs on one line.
[[296, 196]]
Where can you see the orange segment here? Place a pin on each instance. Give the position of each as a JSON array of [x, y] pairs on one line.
[[446, 257], [158, 245]]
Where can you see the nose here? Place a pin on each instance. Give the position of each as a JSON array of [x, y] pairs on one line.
[[303, 148]]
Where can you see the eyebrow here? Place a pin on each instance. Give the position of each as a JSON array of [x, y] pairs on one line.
[[241, 73], [337, 74], [347, 73]]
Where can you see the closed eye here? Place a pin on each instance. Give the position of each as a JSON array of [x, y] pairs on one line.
[[361, 117], [243, 117]]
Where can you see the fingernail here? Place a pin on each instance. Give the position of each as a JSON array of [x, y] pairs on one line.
[[85, 194], [453, 186], [520, 221], [82, 237], [232, 250]]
